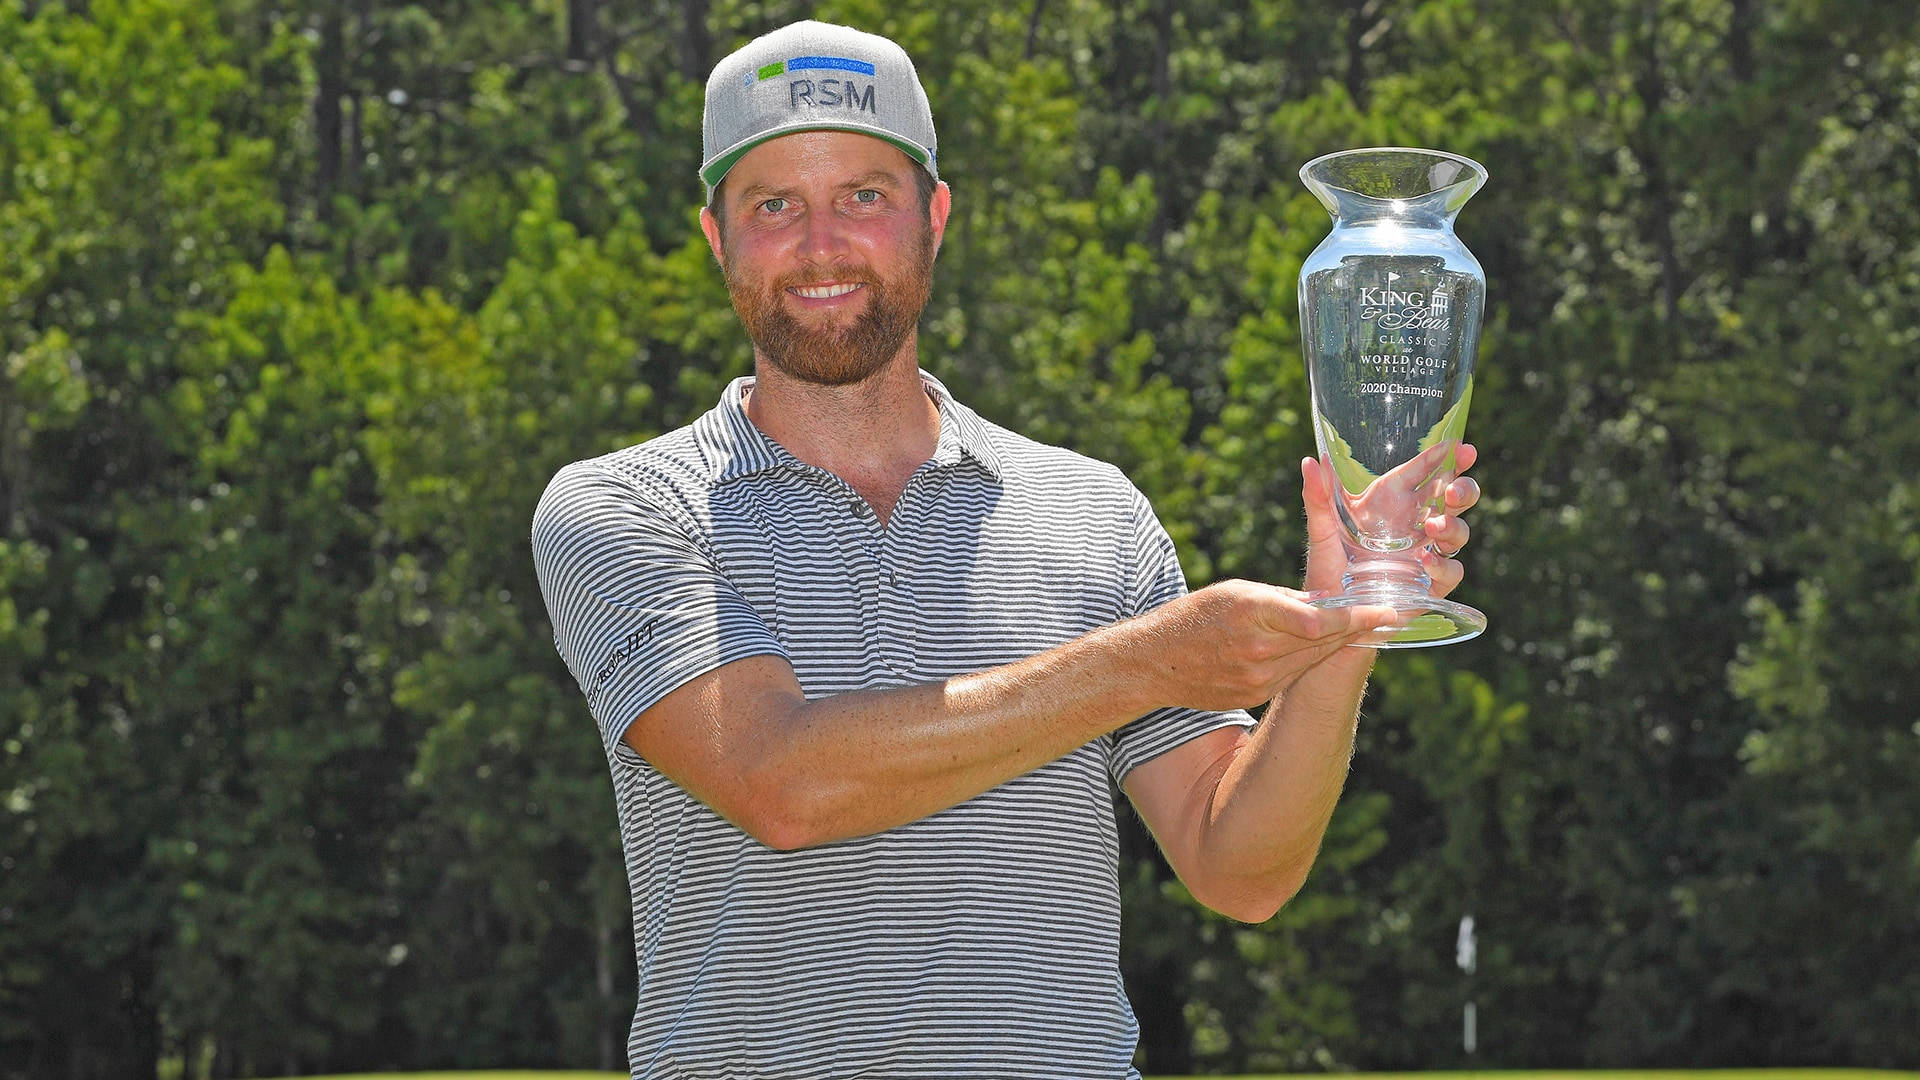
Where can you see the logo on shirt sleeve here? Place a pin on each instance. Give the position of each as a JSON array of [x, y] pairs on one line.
[[621, 653]]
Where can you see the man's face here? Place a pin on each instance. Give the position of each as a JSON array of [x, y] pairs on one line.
[[827, 252]]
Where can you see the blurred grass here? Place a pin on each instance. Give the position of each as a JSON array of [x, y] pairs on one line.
[[1471, 1075], [1629, 1074], [511, 1074]]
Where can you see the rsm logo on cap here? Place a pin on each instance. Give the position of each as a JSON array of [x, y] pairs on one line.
[[832, 92], [823, 92]]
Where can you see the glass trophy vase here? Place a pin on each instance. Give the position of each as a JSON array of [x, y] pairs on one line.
[[1390, 307]]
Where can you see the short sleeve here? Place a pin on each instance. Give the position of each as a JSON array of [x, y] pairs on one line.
[[638, 606], [1156, 578]]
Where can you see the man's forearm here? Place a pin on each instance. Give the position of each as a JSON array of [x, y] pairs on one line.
[[858, 763], [1273, 802]]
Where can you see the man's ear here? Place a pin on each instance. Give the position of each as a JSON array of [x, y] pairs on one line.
[[711, 226], [938, 207]]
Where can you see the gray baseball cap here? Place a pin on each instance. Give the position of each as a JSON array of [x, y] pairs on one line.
[[813, 76]]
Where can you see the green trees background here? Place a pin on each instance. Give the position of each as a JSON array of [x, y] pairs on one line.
[[302, 303]]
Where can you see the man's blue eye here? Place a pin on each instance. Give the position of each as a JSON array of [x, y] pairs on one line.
[[866, 195], [774, 206]]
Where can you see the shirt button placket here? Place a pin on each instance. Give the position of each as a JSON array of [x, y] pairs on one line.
[[865, 572], [895, 604]]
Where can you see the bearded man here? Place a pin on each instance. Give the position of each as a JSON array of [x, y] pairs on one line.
[[869, 668]]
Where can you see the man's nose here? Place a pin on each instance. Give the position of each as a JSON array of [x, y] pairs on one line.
[[823, 237]]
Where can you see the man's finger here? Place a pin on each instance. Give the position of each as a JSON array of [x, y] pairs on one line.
[[1293, 617], [1321, 526], [1448, 534], [1462, 494], [1446, 574], [1354, 622]]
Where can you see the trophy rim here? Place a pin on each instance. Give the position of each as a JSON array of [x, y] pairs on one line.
[[1477, 174]]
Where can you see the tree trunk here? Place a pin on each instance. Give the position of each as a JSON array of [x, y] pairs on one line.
[[639, 116], [141, 1010], [1650, 85], [603, 983], [1161, 131], [1033, 26], [1740, 59], [1158, 1004], [696, 45], [1163, 56], [1355, 75], [14, 463], [1740, 41], [330, 87], [583, 30]]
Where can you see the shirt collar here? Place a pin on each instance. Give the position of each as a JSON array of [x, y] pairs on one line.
[[736, 448], [962, 432]]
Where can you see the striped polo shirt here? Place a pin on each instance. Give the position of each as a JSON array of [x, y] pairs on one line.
[[982, 941]]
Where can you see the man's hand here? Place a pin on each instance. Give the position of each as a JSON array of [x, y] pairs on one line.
[[1238, 644], [1446, 532]]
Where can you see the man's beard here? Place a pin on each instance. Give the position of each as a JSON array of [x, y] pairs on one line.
[[834, 356]]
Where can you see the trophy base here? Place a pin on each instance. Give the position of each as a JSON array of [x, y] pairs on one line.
[[1425, 620]]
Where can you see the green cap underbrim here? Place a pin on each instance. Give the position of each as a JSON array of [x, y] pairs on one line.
[[717, 169]]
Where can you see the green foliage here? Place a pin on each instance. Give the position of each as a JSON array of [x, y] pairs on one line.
[[305, 302]]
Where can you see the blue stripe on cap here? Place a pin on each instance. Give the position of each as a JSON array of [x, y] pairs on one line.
[[829, 63]]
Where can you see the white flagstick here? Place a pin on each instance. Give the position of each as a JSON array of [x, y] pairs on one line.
[[1465, 953]]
